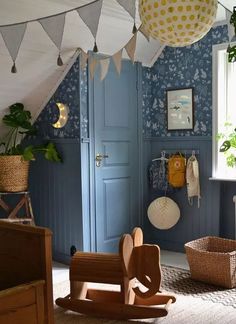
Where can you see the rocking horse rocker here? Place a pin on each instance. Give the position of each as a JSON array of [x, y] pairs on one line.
[[135, 261]]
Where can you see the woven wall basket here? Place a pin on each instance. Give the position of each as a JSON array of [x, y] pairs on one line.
[[14, 172]]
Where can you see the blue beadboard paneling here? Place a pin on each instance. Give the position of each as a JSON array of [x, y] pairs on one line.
[[55, 190], [227, 210], [194, 222]]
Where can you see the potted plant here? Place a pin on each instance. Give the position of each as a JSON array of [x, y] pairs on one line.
[[14, 156], [228, 147]]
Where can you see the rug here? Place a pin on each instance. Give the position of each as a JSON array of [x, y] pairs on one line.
[[197, 303]]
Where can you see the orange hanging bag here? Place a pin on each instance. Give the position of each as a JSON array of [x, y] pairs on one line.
[[176, 170]]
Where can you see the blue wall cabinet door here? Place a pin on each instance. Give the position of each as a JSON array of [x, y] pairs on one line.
[[115, 156]]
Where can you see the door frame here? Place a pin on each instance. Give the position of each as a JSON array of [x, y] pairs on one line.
[[92, 216]]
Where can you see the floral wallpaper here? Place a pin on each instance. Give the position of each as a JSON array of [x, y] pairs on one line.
[[189, 66], [68, 93], [181, 67]]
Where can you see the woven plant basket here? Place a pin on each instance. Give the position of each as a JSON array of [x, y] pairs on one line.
[[14, 173], [213, 260]]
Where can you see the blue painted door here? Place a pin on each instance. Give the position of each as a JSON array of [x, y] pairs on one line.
[[116, 140]]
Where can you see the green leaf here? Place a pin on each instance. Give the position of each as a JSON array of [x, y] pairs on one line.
[[51, 153], [220, 136], [231, 53], [18, 117], [233, 19], [225, 146], [28, 153], [231, 160]]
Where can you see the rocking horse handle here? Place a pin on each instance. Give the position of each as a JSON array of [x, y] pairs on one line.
[[142, 262], [137, 235], [148, 270], [125, 249], [127, 244]]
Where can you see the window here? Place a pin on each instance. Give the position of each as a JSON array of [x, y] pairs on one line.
[[224, 108]]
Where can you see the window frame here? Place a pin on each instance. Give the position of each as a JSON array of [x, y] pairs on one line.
[[216, 49]]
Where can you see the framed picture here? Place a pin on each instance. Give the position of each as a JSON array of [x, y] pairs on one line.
[[179, 109]]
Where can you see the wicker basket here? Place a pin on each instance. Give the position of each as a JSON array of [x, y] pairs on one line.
[[213, 260], [14, 173]]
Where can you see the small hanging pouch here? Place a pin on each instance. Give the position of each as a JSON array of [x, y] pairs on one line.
[[192, 180]]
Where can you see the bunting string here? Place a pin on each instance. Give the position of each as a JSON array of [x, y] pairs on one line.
[[53, 25]]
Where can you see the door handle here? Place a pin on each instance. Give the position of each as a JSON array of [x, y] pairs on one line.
[[99, 158]]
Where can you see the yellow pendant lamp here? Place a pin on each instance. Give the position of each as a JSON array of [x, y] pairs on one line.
[[177, 22]]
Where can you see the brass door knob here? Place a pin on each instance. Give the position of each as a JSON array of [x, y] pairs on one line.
[[99, 157]]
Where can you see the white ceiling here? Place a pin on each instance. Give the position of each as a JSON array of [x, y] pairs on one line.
[[38, 73]]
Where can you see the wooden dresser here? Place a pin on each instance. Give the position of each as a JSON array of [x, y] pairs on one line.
[[25, 274]]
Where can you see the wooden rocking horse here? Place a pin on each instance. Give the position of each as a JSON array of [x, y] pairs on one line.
[[134, 261]]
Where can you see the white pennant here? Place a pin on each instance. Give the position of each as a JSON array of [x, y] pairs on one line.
[[129, 6], [117, 58], [92, 67], [90, 14], [131, 46], [13, 37], [231, 33], [144, 32], [104, 67], [54, 27], [83, 59]]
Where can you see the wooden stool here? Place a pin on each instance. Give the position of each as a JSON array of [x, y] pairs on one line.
[[12, 212]]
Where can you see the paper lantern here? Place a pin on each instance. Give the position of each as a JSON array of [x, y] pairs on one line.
[[163, 213], [177, 22]]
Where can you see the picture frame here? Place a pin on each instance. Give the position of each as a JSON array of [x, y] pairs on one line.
[[180, 109]]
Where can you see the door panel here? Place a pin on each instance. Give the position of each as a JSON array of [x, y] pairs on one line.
[[118, 153], [116, 214], [116, 136]]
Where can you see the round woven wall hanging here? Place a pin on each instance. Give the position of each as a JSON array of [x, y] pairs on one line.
[[163, 213], [177, 22]]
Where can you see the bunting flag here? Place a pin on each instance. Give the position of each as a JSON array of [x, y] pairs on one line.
[[130, 7], [54, 27], [144, 33], [13, 36], [90, 14], [117, 58], [92, 67], [83, 59], [131, 46], [104, 64]]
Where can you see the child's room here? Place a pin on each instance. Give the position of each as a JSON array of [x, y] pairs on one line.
[[118, 161]]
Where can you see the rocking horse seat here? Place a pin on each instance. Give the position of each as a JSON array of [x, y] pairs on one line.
[[105, 266]]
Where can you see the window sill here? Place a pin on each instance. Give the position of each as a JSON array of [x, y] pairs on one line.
[[222, 179]]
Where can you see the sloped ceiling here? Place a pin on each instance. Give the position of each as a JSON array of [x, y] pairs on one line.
[[38, 73]]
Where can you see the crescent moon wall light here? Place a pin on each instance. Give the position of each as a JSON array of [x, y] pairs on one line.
[[63, 115], [177, 22]]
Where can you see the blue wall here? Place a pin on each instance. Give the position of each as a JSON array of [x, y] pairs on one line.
[[177, 67], [73, 92], [190, 66], [56, 189]]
